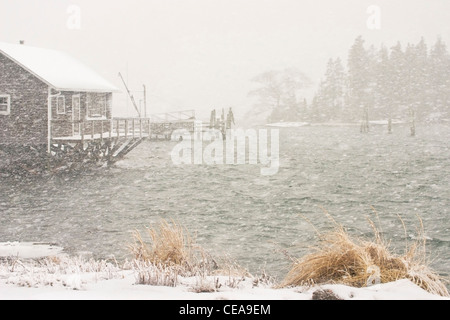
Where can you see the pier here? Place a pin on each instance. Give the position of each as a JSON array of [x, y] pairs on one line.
[[103, 140]]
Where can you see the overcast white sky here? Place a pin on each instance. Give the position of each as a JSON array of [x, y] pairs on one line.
[[202, 54]]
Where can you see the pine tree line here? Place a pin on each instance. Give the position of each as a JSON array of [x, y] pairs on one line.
[[385, 84]]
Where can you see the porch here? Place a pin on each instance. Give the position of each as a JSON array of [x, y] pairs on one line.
[[111, 139], [129, 128]]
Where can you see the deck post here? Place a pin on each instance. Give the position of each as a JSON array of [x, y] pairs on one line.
[[133, 128], [126, 128], [111, 124], [140, 128], [118, 129], [93, 130], [101, 134]]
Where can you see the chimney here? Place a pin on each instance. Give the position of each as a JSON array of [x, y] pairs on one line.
[[22, 42]]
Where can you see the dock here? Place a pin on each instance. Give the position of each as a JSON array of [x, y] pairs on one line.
[[109, 140]]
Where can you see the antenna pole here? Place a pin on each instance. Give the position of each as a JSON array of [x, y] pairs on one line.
[[130, 95]]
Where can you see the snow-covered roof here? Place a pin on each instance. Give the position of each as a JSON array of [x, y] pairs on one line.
[[57, 69]]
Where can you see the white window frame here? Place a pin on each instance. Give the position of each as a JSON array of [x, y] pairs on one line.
[[8, 105], [78, 116], [63, 99], [104, 109]]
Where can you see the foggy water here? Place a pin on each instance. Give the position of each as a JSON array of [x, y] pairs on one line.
[[237, 212]]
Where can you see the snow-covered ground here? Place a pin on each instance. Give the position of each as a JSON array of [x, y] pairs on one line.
[[288, 124], [307, 124], [330, 124], [70, 278], [386, 122], [125, 289]]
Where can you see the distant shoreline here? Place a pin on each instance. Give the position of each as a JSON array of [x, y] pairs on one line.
[[331, 124]]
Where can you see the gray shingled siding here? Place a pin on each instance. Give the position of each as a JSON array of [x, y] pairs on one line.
[[27, 122]]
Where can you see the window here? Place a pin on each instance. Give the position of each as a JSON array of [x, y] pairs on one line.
[[5, 104], [96, 105], [61, 105]]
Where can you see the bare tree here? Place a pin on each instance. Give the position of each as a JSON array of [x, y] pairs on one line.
[[279, 93]]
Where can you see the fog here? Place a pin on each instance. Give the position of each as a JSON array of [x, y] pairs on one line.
[[202, 54]]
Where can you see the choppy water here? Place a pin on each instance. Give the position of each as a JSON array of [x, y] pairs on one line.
[[236, 211]]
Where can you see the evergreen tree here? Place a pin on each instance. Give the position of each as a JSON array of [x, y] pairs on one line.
[[329, 100], [421, 86], [315, 112], [334, 89], [383, 86], [320, 104], [359, 81], [303, 110], [439, 79], [397, 67], [379, 84], [412, 89]]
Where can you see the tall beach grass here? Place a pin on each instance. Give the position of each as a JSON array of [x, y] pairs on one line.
[[339, 258]]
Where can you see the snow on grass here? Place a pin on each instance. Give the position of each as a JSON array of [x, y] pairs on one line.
[[171, 266], [74, 278], [122, 286], [65, 271]]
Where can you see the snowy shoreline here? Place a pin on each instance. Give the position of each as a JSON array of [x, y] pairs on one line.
[[332, 124], [74, 278], [126, 289]]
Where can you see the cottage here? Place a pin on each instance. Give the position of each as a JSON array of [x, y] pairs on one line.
[[45, 94], [52, 107]]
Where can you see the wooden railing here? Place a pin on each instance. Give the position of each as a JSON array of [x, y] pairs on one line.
[[173, 116], [101, 128], [130, 128]]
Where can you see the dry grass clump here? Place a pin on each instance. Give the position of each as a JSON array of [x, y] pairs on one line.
[[340, 258], [171, 252], [171, 246]]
